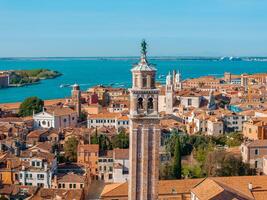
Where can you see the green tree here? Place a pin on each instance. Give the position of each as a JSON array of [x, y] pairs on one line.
[[120, 141], [177, 166], [104, 143], [194, 171], [70, 148], [29, 105], [94, 138], [165, 171], [221, 163], [234, 139]]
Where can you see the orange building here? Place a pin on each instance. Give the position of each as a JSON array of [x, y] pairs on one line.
[[255, 129], [87, 154], [9, 168]]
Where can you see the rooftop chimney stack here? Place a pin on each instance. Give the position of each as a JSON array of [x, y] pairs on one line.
[[250, 186]]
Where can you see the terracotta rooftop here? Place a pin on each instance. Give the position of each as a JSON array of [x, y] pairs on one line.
[[88, 147], [121, 154], [59, 111], [104, 116], [223, 188], [62, 194], [257, 143], [165, 187], [70, 177]]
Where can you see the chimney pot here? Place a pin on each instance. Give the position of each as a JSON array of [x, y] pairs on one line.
[[250, 186]]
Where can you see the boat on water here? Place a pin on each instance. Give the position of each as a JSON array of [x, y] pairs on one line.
[[64, 85]]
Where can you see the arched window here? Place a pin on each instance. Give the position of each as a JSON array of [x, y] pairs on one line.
[[140, 103], [48, 124], [150, 103]]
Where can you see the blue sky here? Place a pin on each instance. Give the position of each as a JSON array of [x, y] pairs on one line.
[[116, 27]]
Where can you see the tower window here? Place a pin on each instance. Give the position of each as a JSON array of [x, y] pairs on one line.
[[150, 103], [140, 103], [144, 81], [135, 81]]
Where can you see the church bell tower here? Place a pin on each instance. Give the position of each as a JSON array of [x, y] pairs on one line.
[[144, 131]]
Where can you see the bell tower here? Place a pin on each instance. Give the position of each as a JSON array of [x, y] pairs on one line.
[[144, 131], [169, 94]]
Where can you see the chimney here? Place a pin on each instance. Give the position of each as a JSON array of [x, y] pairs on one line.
[[250, 186]]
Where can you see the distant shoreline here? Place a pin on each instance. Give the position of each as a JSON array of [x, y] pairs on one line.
[[215, 58]]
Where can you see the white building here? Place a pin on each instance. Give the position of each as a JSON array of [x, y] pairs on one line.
[[190, 101], [56, 117], [121, 165], [37, 168], [214, 127], [233, 122], [108, 119]]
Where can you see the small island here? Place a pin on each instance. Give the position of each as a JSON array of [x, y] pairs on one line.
[[18, 78]]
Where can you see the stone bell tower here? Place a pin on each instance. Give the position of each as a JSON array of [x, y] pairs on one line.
[[76, 98], [144, 131]]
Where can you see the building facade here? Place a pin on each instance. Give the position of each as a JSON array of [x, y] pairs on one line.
[[58, 117], [144, 132]]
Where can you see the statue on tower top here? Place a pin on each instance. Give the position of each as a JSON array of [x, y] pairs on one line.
[[143, 47]]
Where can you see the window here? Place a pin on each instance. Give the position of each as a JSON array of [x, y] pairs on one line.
[[74, 186], [140, 103], [33, 163], [63, 185], [40, 176], [144, 82], [189, 102], [59, 185], [256, 151], [70, 185], [105, 168], [150, 103], [65, 120], [110, 169], [81, 185], [40, 184], [110, 176], [44, 123], [256, 164], [38, 164]]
